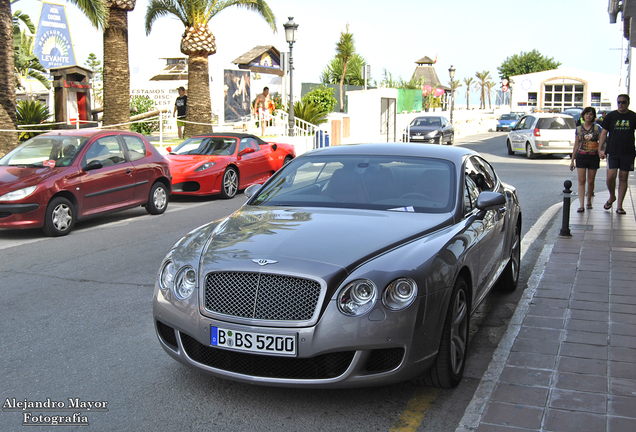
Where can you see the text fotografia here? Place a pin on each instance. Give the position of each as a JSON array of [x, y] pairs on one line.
[[43, 407]]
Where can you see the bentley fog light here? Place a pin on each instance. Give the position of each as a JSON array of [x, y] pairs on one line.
[[400, 294], [186, 283], [166, 276], [357, 297]]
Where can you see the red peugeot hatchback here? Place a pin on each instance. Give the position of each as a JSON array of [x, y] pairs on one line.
[[55, 179]]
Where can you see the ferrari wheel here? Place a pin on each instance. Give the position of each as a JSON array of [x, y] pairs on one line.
[[230, 183], [448, 369], [59, 218]]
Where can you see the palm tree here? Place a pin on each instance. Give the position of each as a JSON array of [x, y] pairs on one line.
[[480, 85], [468, 82], [454, 85], [345, 49], [489, 86], [93, 9], [198, 43], [333, 71], [116, 74], [27, 64]]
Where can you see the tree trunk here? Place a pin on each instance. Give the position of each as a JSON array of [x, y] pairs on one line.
[[199, 107], [8, 118], [344, 72], [116, 70]]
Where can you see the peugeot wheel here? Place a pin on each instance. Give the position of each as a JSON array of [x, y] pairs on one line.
[[157, 199], [59, 218], [230, 183], [448, 369], [451, 139]]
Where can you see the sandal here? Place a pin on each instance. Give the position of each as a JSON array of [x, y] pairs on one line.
[[621, 211], [608, 205], [580, 210], [589, 206]]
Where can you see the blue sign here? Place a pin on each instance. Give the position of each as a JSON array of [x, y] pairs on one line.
[[53, 44]]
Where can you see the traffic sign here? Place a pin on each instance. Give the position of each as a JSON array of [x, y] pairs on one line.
[[504, 82], [504, 88]]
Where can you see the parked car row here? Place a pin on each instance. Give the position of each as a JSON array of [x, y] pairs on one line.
[[56, 179]]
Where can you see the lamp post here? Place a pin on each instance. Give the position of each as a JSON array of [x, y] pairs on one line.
[[290, 35], [451, 73]]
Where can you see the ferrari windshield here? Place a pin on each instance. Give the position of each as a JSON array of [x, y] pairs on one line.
[[407, 184], [56, 150], [206, 146]]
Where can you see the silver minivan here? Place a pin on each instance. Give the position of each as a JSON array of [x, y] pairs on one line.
[[542, 133]]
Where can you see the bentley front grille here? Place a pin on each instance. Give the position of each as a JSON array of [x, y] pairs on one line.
[[261, 296]]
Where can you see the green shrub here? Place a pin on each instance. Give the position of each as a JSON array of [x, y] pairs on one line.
[[33, 113], [310, 112], [143, 104], [323, 97]]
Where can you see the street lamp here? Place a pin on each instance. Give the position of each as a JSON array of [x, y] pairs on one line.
[[451, 73], [290, 35]]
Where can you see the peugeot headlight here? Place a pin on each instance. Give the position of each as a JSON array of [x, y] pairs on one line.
[[357, 297], [433, 134], [18, 194], [185, 283], [205, 166], [400, 294]]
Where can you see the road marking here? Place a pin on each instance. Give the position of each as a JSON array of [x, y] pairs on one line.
[[421, 401], [415, 410], [5, 244]]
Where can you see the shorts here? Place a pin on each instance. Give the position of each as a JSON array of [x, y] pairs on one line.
[[180, 121], [588, 161], [621, 162]]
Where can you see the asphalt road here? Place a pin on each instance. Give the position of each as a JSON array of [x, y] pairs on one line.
[[76, 314]]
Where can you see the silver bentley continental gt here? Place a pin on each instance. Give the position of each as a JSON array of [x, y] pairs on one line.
[[353, 265]]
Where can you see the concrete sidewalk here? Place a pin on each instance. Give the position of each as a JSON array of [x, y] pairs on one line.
[[568, 360]]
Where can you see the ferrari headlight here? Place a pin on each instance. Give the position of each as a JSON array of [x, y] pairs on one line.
[[400, 294], [205, 166], [357, 297], [18, 194], [186, 283], [166, 276]]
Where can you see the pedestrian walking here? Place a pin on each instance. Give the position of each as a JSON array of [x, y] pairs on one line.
[[261, 108], [180, 109], [617, 143], [585, 154]]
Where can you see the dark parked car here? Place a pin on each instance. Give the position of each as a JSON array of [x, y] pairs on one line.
[[55, 179], [430, 129], [353, 265]]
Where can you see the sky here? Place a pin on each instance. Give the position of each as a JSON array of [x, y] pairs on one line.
[[473, 36]]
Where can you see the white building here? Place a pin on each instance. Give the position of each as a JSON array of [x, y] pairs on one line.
[[563, 88]]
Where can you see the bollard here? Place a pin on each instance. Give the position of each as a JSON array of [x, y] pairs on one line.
[[565, 226]]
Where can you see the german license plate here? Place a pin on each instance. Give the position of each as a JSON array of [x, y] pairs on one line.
[[284, 345]]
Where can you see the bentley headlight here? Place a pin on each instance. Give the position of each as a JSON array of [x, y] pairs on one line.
[[18, 194], [357, 297], [166, 276], [186, 283], [205, 166], [400, 294]]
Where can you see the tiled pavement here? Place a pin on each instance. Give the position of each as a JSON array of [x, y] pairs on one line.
[[572, 365]]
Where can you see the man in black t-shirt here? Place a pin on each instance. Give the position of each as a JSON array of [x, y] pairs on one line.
[[180, 109], [620, 150]]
